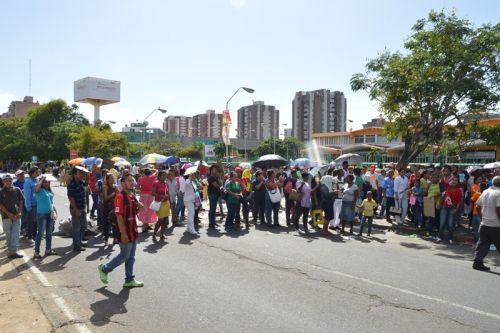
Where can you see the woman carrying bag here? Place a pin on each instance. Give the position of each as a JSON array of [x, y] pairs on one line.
[[161, 203], [273, 199]]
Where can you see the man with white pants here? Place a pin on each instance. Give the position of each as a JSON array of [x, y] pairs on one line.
[[401, 194]]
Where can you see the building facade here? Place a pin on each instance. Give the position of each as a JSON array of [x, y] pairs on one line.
[[288, 132], [318, 111], [20, 108], [140, 132], [204, 125], [258, 121]]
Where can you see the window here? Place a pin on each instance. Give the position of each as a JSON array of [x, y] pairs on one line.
[[370, 139], [359, 139]]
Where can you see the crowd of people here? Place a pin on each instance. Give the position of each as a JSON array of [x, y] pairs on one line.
[[149, 199]]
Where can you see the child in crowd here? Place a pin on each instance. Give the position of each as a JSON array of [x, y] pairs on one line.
[[417, 191], [369, 206]]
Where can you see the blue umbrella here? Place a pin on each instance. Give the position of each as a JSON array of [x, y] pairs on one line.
[[302, 162], [169, 160], [90, 161]]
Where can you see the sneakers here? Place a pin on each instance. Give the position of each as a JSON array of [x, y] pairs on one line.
[[37, 255], [480, 266], [50, 253], [15, 255], [133, 284], [102, 274]]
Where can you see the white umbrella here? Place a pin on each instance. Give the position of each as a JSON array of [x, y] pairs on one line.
[[245, 165], [493, 165], [352, 159], [190, 170]]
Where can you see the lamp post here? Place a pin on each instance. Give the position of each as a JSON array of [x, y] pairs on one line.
[[345, 124], [248, 90], [274, 138], [144, 122]]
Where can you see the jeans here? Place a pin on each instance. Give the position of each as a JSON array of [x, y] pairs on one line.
[[44, 223], [476, 222], [79, 227], [12, 229], [289, 204], [180, 206], [213, 199], [418, 214], [95, 200], [403, 204], [100, 205], [127, 256], [31, 223], [220, 201], [260, 208], [365, 219], [233, 209], [487, 236], [244, 209], [272, 209], [447, 219], [389, 203]]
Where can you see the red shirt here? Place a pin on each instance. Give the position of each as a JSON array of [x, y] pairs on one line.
[[92, 181], [126, 207], [452, 197], [161, 189]]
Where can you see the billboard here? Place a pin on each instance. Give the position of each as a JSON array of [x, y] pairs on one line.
[[209, 151], [92, 89]]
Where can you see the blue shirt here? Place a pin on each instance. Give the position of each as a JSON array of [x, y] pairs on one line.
[[419, 193], [44, 201], [29, 194], [388, 186], [20, 184], [76, 190]]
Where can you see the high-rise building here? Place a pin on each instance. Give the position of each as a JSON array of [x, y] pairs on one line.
[[177, 125], [258, 121], [288, 132], [318, 111], [205, 125], [20, 108]]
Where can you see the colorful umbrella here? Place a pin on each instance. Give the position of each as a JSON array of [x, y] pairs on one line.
[[150, 158], [90, 161], [117, 158], [76, 161], [168, 160], [302, 163], [186, 165]]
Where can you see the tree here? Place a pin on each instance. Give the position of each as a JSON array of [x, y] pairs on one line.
[[220, 150], [164, 146], [194, 151], [449, 74], [290, 147], [96, 141], [14, 141], [49, 128], [489, 134]]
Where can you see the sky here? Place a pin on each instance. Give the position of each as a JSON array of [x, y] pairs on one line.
[[190, 56]]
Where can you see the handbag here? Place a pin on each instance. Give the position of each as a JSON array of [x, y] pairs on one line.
[[296, 195], [155, 205], [396, 211], [53, 214], [275, 195]]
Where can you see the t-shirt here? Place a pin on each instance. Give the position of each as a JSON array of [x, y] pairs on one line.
[[235, 188], [388, 186], [419, 193], [473, 201], [76, 190], [372, 178], [10, 199], [452, 197], [348, 194], [434, 191], [20, 184], [126, 207], [305, 189], [213, 190], [260, 193], [44, 201], [368, 207], [489, 201]]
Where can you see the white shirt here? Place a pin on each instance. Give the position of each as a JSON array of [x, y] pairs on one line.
[[400, 186], [135, 170], [489, 201], [182, 181], [188, 190], [372, 178]]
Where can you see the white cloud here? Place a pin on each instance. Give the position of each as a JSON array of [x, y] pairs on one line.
[[238, 3]]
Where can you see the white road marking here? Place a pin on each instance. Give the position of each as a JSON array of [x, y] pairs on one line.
[[82, 328], [401, 290]]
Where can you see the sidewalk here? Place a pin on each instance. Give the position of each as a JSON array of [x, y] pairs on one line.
[[19, 310]]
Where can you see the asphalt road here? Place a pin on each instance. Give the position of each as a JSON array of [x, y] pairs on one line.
[[274, 281]]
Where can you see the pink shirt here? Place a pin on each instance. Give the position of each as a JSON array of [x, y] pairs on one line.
[[146, 183]]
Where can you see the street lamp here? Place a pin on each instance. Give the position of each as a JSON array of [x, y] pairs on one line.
[[144, 121], [274, 138], [345, 124], [248, 90]]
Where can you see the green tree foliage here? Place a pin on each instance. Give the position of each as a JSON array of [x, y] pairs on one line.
[[99, 141], [14, 144], [220, 150], [449, 73], [489, 134], [195, 151], [164, 146], [287, 148]]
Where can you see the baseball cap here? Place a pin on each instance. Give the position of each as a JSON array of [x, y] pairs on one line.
[[80, 168], [18, 172]]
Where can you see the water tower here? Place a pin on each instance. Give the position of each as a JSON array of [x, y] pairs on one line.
[[96, 91]]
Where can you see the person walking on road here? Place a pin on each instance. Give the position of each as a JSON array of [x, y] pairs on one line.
[[44, 204], [125, 233], [147, 216], [160, 193], [488, 207], [78, 203], [11, 207], [189, 198]]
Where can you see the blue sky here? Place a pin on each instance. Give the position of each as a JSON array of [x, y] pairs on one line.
[[190, 56]]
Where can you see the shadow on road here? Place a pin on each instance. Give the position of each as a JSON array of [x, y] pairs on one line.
[[105, 309], [155, 246], [187, 238], [64, 254]]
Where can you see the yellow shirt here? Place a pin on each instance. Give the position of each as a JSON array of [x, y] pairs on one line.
[[368, 207]]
